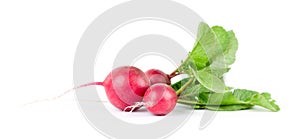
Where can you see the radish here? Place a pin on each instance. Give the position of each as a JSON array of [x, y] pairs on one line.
[[157, 76], [125, 86], [128, 88], [160, 99]]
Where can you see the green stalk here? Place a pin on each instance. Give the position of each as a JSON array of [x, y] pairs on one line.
[[188, 102], [179, 91], [176, 72]]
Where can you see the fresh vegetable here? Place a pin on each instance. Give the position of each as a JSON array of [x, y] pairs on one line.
[[160, 99], [128, 88], [157, 76], [125, 86]]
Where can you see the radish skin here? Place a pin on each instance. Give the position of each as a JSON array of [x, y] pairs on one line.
[[125, 86], [160, 99], [157, 76]]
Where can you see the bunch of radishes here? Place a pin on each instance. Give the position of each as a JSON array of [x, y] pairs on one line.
[[129, 88]]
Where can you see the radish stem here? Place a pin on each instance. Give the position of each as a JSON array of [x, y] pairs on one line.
[[178, 92]]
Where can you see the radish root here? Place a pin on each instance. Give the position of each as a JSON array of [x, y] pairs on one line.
[[61, 95], [133, 107]]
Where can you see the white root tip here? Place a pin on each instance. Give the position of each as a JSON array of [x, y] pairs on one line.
[[133, 107]]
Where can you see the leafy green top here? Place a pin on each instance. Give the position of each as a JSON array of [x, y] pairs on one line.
[[206, 64]]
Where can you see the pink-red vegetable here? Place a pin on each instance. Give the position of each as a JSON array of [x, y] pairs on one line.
[[160, 99], [125, 86], [128, 88], [157, 76]]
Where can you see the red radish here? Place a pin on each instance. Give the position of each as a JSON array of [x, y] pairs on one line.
[[157, 76], [124, 86], [160, 99]]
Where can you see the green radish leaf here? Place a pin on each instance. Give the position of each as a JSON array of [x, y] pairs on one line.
[[254, 98], [233, 100], [209, 81], [222, 36], [228, 43], [231, 48], [206, 48], [214, 51]]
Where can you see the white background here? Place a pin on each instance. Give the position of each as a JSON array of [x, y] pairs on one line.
[[38, 40]]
